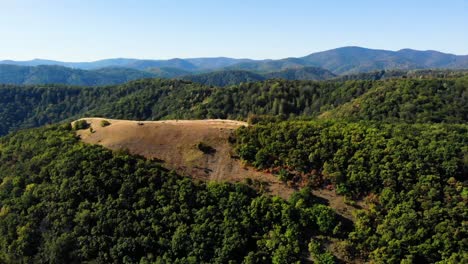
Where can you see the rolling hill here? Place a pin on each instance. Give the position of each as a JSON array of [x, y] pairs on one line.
[[225, 78], [393, 151], [356, 59], [397, 100], [49, 74], [304, 73]]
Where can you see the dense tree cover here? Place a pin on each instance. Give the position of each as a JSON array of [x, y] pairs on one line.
[[410, 100], [413, 175], [434, 100], [427, 100], [235, 77], [62, 201], [225, 78], [156, 99], [167, 72], [28, 106], [392, 74], [279, 97], [32, 106], [49, 74], [303, 73]]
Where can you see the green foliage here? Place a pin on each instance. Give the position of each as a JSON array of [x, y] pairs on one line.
[[320, 256], [303, 73], [409, 100], [236, 77], [224, 78], [63, 201], [434, 100], [81, 124], [105, 123], [415, 173], [51, 74]]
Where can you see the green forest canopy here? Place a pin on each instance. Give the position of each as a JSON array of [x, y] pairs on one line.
[[399, 144], [438, 100]]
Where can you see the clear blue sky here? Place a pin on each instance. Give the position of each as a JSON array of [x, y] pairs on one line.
[[84, 30]]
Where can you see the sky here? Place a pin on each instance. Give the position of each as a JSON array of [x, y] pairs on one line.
[[88, 30]]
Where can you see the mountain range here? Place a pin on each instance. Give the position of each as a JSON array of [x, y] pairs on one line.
[[317, 66]]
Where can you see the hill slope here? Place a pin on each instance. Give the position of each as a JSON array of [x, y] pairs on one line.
[[356, 59], [305, 73], [63, 201], [24, 75], [225, 78], [409, 100], [176, 145]]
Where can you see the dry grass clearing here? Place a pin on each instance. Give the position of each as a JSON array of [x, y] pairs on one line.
[[177, 143]]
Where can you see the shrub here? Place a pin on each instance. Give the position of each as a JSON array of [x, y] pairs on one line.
[[80, 124], [203, 147], [105, 123]]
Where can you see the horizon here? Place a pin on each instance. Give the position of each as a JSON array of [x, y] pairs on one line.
[[216, 57], [87, 30]]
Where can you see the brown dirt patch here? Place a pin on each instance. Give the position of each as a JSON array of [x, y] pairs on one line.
[[174, 142]]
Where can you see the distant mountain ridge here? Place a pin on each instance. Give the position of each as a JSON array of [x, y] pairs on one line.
[[345, 60], [350, 60]]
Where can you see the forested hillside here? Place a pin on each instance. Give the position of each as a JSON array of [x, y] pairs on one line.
[[409, 100], [395, 148], [40, 75], [225, 78], [413, 178], [304, 73], [236, 77], [62, 201]]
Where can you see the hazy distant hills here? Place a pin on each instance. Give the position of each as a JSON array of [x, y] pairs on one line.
[[355, 59], [304, 73], [182, 64], [223, 71], [51, 74], [344, 60], [225, 78], [232, 77]]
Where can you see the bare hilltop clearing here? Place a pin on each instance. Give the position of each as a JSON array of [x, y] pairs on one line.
[[199, 148]]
